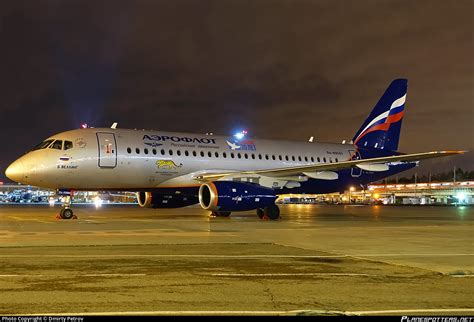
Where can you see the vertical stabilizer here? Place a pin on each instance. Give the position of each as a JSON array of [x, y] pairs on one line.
[[381, 130]]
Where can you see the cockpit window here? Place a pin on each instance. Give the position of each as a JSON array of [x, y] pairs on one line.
[[58, 145], [42, 145], [67, 145]]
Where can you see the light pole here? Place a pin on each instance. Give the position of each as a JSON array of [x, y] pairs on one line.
[[350, 193]]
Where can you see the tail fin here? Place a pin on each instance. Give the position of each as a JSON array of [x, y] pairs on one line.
[[381, 130]]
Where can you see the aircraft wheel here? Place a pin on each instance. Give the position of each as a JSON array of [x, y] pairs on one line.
[[66, 213], [272, 212], [260, 213]]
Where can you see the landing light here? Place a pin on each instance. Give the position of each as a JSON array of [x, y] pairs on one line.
[[84, 125]]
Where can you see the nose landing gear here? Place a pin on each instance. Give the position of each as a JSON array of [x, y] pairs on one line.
[[66, 211]]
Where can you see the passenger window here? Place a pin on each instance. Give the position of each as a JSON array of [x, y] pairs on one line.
[[306, 159], [293, 157], [337, 160], [238, 155], [202, 153], [273, 157], [186, 153], [129, 150], [266, 156], [162, 152], [232, 155], [194, 154], [171, 152], [319, 160], [178, 152], [57, 145], [209, 154], [216, 154], [137, 150], [253, 156], [324, 159], [67, 145], [154, 151], [145, 150], [286, 158], [260, 156], [299, 158], [246, 156], [224, 154], [280, 158]]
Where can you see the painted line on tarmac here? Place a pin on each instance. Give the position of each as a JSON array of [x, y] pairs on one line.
[[401, 255], [175, 255], [291, 312], [463, 310], [73, 275], [290, 274], [31, 219]]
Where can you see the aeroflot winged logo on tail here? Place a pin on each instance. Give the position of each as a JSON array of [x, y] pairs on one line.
[[153, 140], [383, 121]]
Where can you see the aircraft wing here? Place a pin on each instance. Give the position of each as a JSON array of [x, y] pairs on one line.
[[291, 171]]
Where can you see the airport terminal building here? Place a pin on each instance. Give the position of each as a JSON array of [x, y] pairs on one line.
[[435, 193]]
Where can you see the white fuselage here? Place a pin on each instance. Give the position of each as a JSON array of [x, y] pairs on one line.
[[121, 159]]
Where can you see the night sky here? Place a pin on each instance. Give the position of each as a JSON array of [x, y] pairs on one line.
[[280, 69]]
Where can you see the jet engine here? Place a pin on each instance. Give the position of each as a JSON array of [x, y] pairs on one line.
[[235, 196], [147, 199]]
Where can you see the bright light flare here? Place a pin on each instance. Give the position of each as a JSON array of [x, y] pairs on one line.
[[461, 197], [240, 135], [51, 202], [98, 202]]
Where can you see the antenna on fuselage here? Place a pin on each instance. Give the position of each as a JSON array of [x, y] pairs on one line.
[[114, 126]]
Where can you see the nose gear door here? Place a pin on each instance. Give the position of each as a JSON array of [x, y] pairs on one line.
[[107, 150]]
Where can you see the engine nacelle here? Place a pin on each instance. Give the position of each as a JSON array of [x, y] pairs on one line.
[[147, 199], [234, 196]]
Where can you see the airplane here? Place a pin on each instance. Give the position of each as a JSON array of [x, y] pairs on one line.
[[223, 174]]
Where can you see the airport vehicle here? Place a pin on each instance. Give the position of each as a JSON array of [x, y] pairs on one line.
[[221, 173]]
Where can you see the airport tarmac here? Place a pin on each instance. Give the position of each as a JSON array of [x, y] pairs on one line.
[[318, 259]]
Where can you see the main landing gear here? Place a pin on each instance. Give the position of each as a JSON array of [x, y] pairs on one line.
[[271, 212], [66, 211]]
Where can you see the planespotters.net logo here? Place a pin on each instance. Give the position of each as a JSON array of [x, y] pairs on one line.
[[437, 319]]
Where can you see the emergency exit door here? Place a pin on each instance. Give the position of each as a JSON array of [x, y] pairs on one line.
[[107, 150]]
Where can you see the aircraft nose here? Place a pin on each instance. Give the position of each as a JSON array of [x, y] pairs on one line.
[[15, 171]]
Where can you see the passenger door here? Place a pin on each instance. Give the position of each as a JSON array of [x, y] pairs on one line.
[[107, 150]]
